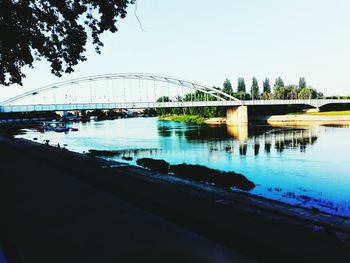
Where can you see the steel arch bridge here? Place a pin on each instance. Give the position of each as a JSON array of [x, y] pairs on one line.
[[131, 76], [15, 104], [85, 94]]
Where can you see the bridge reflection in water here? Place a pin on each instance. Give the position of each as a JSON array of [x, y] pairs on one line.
[[257, 138], [242, 140], [233, 139]]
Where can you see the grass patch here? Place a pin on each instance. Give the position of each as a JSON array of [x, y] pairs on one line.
[[184, 118]]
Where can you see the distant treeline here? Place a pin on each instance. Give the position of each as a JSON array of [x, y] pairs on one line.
[[279, 91]]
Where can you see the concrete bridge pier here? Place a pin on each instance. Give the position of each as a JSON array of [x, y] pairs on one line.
[[316, 109], [237, 116]]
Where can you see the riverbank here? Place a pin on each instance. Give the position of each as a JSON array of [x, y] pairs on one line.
[[322, 118], [329, 113], [268, 230], [49, 213]]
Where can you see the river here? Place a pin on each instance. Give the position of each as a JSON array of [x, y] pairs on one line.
[[306, 166]]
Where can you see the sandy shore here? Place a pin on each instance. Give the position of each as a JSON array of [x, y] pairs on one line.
[[289, 119], [305, 119], [266, 230], [218, 120]]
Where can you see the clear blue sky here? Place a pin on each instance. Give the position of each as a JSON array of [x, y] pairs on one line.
[[208, 41]]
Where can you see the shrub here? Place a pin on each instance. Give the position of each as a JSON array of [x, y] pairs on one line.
[[156, 165]]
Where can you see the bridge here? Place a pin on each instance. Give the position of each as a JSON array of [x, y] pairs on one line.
[[138, 91]]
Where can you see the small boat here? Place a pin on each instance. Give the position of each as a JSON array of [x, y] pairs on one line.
[[54, 125], [62, 128]]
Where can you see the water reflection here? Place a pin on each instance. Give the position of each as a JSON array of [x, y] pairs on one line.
[[261, 136], [294, 139], [267, 147], [123, 153], [238, 132], [164, 131]]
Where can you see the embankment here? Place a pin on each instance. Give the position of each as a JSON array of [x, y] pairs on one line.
[[321, 118], [269, 231]]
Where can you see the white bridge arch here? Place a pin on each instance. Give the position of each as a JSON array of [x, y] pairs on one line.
[[217, 93]]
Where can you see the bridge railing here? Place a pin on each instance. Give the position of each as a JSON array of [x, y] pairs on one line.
[[312, 102], [176, 104]]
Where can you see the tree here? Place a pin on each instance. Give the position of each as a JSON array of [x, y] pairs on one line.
[[302, 83], [291, 92], [164, 99], [279, 82], [266, 86], [163, 111], [254, 89], [241, 86], [227, 87], [266, 95], [53, 30], [279, 92], [218, 89], [320, 95], [307, 93]]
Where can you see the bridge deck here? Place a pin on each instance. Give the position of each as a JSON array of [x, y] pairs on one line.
[[145, 105]]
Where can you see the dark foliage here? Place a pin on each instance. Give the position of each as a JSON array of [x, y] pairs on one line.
[[156, 165], [199, 173], [53, 30], [205, 174], [28, 115]]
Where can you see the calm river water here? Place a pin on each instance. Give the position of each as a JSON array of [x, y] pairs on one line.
[[308, 166]]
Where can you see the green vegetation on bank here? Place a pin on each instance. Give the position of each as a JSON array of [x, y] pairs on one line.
[[184, 118], [204, 112]]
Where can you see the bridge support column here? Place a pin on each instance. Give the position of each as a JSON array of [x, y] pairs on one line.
[[317, 109], [237, 116]]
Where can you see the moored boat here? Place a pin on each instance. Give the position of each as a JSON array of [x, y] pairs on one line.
[[56, 126]]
